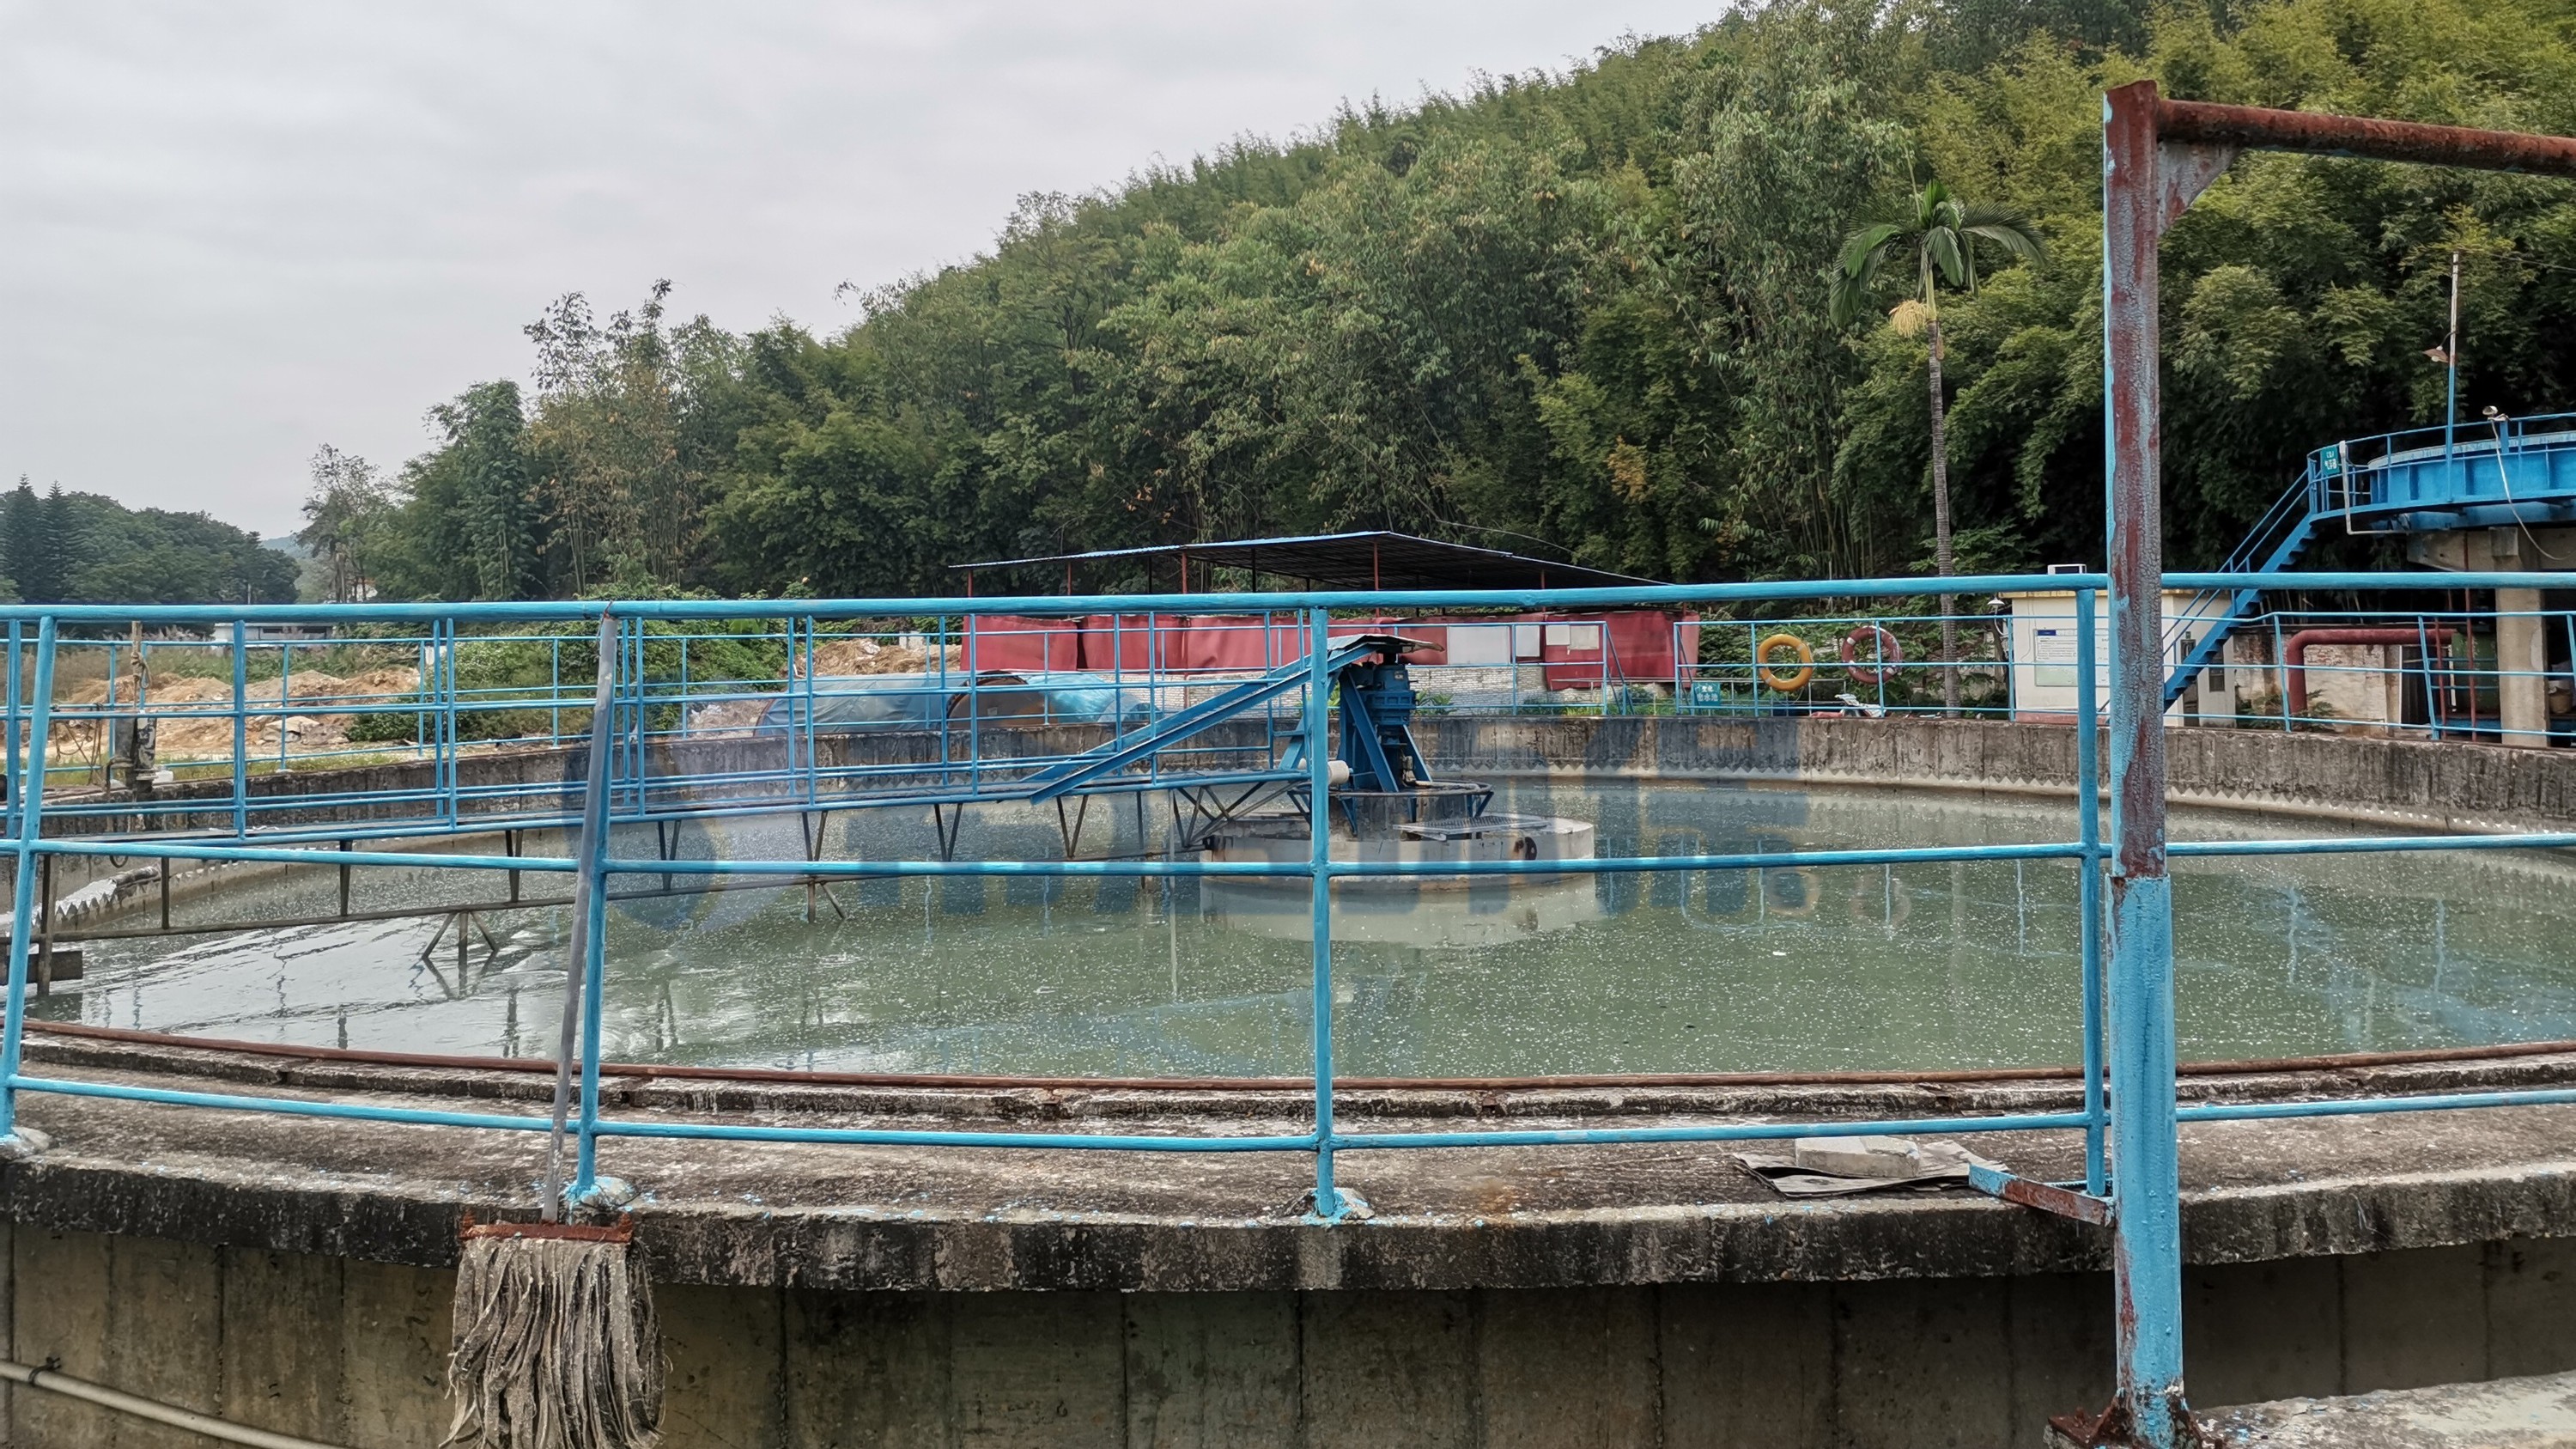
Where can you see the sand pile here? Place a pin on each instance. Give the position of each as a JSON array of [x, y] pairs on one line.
[[870, 656], [838, 659], [190, 719]]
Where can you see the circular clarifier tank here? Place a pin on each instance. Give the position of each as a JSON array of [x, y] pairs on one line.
[[1939, 965]]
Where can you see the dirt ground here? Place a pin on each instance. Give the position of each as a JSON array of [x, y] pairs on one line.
[[191, 720], [191, 723]]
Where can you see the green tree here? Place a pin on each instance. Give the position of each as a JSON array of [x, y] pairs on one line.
[[1937, 239], [34, 568], [625, 503], [345, 516]]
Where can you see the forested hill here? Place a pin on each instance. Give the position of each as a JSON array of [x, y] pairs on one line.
[[1585, 313], [82, 548]]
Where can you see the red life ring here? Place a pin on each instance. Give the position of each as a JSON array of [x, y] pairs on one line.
[[1886, 651]]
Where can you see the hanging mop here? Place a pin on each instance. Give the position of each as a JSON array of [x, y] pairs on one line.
[[556, 1343]]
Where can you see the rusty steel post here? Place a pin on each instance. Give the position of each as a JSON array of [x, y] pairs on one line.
[[2146, 1251], [2157, 155]]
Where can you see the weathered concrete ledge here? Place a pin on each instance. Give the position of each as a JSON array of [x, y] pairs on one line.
[[2524, 1413], [912, 1218]]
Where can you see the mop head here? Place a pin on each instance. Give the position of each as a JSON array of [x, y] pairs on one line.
[[556, 1343]]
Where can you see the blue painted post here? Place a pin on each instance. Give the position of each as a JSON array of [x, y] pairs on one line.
[[974, 710], [1319, 854], [632, 735], [2088, 882], [2424, 661], [285, 695], [420, 696], [30, 793], [2138, 201], [107, 726], [2281, 673], [17, 638], [946, 747], [585, 964], [241, 728], [451, 739], [810, 765]]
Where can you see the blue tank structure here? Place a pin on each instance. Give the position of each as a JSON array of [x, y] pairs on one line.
[[2495, 472]]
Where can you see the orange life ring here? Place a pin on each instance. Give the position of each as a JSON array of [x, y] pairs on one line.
[[1887, 653], [1786, 681]]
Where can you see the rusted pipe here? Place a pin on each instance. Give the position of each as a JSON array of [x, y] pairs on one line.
[[2254, 128], [656, 1071], [2294, 654]]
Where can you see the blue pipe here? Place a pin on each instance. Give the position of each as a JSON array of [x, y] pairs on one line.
[[1713, 1132], [1614, 865], [1661, 595], [17, 793], [2088, 886], [241, 729], [30, 791], [897, 1137], [2371, 1106], [283, 1106], [1319, 858]]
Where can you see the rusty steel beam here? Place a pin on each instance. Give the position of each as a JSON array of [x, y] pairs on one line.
[[2047, 1197], [2255, 128]]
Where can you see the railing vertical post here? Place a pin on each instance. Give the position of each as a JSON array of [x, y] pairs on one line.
[[451, 777], [2424, 662], [2088, 881], [633, 734], [420, 696], [285, 694], [585, 964], [812, 658], [2146, 1245], [1319, 855], [28, 788], [241, 728], [947, 747], [17, 639]]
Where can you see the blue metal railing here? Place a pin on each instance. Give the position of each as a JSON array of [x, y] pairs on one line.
[[640, 788], [2486, 471]]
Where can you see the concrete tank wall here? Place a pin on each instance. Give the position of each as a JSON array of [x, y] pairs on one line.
[[352, 1352]]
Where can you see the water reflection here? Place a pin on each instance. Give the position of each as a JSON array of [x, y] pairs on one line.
[[1788, 967]]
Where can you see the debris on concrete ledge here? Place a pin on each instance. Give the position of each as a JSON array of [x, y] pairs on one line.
[[1841, 1166], [2527, 1413]]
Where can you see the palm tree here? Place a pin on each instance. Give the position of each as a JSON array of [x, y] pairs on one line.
[[1939, 232]]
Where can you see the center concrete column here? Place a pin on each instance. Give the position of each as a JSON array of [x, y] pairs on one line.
[[2522, 658]]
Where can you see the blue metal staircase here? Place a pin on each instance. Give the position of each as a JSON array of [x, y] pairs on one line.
[[2199, 630], [2494, 471], [1172, 729]]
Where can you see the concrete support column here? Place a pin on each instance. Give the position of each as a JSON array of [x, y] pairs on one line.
[[2522, 659]]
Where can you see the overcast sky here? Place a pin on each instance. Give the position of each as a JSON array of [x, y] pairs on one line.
[[231, 232]]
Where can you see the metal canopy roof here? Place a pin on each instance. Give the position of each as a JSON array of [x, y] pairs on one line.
[[1351, 561]]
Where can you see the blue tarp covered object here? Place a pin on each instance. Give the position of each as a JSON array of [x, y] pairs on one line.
[[921, 701]]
